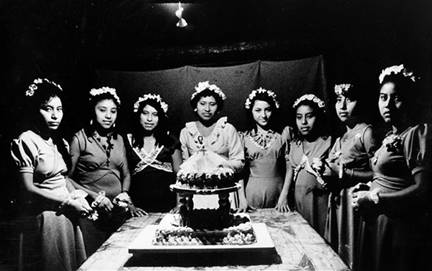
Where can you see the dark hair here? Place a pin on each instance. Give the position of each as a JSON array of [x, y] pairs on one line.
[[160, 133], [207, 93], [251, 125], [404, 85], [93, 101], [357, 93], [320, 126], [45, 91]]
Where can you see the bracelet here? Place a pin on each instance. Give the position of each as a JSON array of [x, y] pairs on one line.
[[64, 203]]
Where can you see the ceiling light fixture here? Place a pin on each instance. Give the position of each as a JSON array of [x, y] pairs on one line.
[[179, 14]]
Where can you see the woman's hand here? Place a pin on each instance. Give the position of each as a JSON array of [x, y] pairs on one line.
[[243, 206], [80, 205], [318, 165], [136, 212], [282, 205], [365, 199], [103, 203]]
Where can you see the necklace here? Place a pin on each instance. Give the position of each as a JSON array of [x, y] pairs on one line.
[[263, 140], [106, 148]]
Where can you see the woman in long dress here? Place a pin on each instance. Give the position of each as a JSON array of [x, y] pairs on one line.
[[52, 206], [99, 166], [264, 151], [395, 229], [214, 134], [154, 156], [310, 143], [348, 162]]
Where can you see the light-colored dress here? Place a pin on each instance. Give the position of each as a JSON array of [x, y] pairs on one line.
[[311, 200], [396, 236], [99, 171], [265, 162], [56, 238], [223, 140], [351, 152]]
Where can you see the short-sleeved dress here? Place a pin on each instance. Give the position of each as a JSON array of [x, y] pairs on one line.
[[98, 171], [397, 236], [152, 174], [223, 140], [349, 151], [311, 200], [55, 238], [265, 161]]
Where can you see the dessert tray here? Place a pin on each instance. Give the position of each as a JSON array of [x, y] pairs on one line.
[[143, 244]]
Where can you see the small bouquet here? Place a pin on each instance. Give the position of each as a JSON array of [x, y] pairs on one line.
[[393, 143]]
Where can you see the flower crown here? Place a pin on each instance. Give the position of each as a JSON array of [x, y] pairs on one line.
[[255, 92], [312, 98], [342, 89], [98, 91], [34, 86], [206, 85], [155, 97], [397, 69]]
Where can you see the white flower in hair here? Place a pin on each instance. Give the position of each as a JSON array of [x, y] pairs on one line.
[[34, 86], [261, 90], [341, 89], [151, 96], [312, 98], [397, 69], [103, 90], [206, 85]]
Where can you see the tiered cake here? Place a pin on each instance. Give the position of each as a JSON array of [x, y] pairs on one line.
[[205, 170], [204, 173]]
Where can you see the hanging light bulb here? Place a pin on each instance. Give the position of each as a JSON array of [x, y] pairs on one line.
[[179, 14]]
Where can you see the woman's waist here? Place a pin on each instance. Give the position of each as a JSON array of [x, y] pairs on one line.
[[389, 184]]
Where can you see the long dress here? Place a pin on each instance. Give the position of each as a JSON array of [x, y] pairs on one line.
[[265, 161], [311, 200], [396, 236], [52, 241], [352, 152], [223, 140], [152, 174], [99, 171]]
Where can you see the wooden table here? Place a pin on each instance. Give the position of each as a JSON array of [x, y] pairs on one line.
[[298, 247]]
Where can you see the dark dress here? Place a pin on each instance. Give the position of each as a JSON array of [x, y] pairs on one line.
[[352, 152], [152, 174], [311, 200], [396, 236]]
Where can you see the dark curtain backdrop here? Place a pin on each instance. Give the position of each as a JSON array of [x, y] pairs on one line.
[[288, 79]]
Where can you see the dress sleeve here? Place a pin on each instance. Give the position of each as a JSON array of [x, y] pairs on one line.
[[417, 148], [183, 144], [236, 151], [24, 153]]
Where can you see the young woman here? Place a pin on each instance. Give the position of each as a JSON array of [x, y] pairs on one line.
[[99, 166], [309, 144], [52, 206], [348, 163], [395, 210], [214, 134], [154, 156], [264, 151]]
